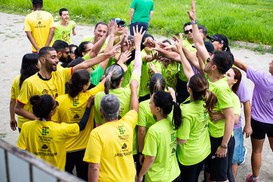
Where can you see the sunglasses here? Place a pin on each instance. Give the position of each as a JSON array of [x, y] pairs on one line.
[[121, 25], [188, 31], [215, 40]]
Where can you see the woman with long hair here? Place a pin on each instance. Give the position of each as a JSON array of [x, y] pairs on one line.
[[193, 135], [30, 65], [160, 162]]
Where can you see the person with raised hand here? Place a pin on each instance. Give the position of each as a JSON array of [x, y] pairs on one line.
[[222, 140], [109, 149]]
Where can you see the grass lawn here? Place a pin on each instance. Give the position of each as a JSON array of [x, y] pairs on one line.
[[243, 20]]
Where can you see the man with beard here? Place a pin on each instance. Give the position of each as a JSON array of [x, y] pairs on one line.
[[63, 52], [49, 80]]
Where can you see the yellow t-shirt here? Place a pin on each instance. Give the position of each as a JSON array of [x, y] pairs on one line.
[[46, 139], [34, 85], [111, 146], [71, 110], [39, 24]]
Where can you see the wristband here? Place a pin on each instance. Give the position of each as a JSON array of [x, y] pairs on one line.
[[194, 22]]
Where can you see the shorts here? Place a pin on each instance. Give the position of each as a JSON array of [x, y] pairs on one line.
[[260, 129], [220, 168], [239, 149]]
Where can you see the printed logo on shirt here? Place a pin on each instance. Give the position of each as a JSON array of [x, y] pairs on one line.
[[124, 146], [45, 130], [75, 101], [121, 129], [45, 91], [44, 146], [76, 116]]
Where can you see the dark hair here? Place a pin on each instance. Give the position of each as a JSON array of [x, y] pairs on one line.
[[77, 81], [167, 41], [199, 86], [28, 66], [223, 60], [44, 51], [61, 11], [113, 81], [238, 77], [202, 27], [165, 101], [72, 45], [60, 45], [81, 48], [186, 24], [42, 105], [157, 83], [37, 3], [100, 23]]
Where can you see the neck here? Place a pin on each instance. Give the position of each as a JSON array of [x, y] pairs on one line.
[[215, 76], [45, 74], [159, 117], [63, 22]]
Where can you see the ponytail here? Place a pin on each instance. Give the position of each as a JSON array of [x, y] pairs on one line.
[[210, 100], [107, 84], [177, 115]]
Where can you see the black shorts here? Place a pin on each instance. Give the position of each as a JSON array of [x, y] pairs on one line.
[[220, 168], [260, 129]]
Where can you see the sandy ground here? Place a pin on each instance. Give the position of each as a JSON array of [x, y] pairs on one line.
[[14, 44]]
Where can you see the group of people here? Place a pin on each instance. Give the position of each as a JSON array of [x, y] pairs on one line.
[[123, 107]]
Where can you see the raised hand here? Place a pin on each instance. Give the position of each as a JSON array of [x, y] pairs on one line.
[[191, 13], [125, 56], [138, 35]]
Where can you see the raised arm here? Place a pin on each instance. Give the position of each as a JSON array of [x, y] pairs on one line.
[[91, 62], [138, 35], [134, 95], [197, 38], [240, 64], [187, 69]]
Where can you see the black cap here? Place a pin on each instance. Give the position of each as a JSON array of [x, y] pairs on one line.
[[219, 37], [37, 2], [209, 46], [119, 21]]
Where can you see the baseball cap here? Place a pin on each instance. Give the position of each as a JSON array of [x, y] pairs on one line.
[[209, 46], [37, 2], [119, 21], [219, 37]]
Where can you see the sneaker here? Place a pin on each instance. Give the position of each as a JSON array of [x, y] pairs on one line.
[[244, 158], [250, 179]]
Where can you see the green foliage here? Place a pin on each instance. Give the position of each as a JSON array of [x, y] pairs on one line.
[[244, 20]]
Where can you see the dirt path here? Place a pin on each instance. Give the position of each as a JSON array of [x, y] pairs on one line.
[[14, 45]]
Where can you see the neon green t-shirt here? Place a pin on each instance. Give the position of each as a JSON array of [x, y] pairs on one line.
[[236, 104], [194, 129], [170, 74], [110, 145], [145, 117], [46, 139], [160, 141], [62, 32], [223, 93]]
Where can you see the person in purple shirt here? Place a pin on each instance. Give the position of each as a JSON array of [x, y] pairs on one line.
[[261, 116]]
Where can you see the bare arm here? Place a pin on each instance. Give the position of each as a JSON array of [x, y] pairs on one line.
[[247, 110], [93, 172], [141, 132], [32, 41], [148, 161], [131, 14], [13, 122], [229, 124], [50, 36], [151, 16], [191, 57], [19, 109], [240, 64], [187, 69], [74, 31], [88, 63]]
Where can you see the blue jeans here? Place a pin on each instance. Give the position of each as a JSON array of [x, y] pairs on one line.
[[140, 24], [239, 149]]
